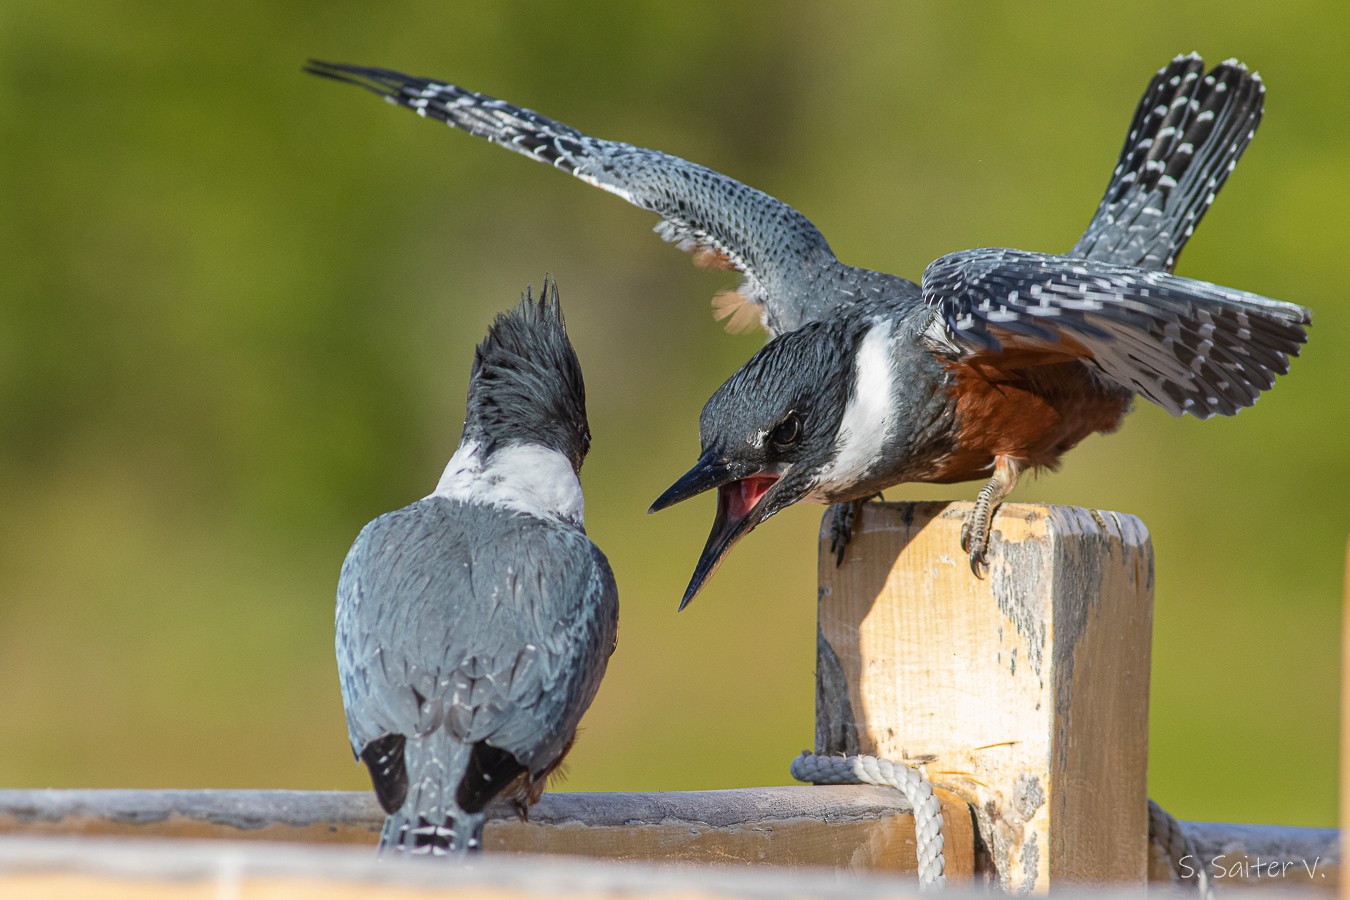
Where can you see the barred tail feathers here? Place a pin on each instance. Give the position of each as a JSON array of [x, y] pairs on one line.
[[431, 822], [1186, 137], [454, 833]]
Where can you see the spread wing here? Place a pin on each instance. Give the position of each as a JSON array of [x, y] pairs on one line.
[[784, 259], [1188, 346], [491, 625]]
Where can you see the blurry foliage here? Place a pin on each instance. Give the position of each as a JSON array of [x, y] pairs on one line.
[[238, 305]]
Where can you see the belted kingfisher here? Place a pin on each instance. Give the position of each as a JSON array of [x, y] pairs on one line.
[[998, 362], [474, 626]]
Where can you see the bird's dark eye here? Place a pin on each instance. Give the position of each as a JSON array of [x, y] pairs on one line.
[[787, 431]]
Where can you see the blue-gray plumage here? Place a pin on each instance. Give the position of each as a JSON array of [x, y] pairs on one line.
[[474, 626], [998, 362], [790, 274]]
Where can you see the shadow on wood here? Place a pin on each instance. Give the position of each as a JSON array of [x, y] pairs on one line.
[[1025, 692]]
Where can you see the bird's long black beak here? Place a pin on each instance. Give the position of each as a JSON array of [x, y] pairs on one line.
[[709, 472], [739, 509]]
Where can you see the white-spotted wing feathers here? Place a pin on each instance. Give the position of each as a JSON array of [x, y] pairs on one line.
[[724, 223], [1188, 346]]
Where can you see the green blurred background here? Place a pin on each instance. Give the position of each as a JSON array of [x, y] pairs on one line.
[[238, 305]]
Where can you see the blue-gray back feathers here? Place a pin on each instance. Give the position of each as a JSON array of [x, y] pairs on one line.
[[461, 624], [473, 632]]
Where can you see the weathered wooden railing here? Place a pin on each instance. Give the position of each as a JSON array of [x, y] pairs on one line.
[[858, 828], [1024, 695], [72, 840]]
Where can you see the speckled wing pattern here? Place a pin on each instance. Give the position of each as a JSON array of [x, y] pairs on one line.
[[722, 222], [1187, 135], [1188, 346], [459, 624]]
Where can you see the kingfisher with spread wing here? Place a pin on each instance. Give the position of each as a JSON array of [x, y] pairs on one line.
[[997, 362]]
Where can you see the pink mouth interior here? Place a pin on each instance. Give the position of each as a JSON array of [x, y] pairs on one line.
[[744, 494]]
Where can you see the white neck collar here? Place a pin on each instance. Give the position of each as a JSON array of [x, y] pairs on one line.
[[529, 478]]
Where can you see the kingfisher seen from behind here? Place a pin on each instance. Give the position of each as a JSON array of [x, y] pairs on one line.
[[474, 626]]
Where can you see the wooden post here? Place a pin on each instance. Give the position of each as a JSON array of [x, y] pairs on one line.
[[1025, 692]]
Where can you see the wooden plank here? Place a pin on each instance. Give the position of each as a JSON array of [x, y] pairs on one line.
[[1025, 692], [858, 828], [854, 828], [1278, 857], [57, 868], [594, 824], [124, 869], [308, 816]]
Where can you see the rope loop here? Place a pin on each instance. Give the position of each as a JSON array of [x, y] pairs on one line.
[[909, 781], [1166, 835]]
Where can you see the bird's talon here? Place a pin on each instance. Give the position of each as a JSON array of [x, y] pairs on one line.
[[975, 544], [842, 519], [979, 564]]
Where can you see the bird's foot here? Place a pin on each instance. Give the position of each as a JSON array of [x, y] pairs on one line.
[[975, 539], [844, 518], [975, 530]]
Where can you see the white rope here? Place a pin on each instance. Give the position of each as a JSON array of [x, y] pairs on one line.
[[1169, 840], [910, 782]]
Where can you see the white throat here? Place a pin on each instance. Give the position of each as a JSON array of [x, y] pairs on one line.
[[869, 418], [529, 478]]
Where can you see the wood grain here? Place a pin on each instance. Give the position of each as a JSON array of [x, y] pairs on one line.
[[851, 828], [1025, 692]]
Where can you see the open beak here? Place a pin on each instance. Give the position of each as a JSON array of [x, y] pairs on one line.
[[740, 508]]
